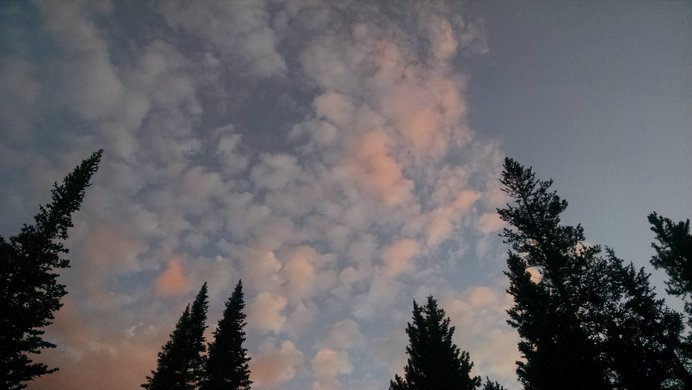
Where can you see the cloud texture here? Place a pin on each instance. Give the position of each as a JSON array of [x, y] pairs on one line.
[[320, 151]]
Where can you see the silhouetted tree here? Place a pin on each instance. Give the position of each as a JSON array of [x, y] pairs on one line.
[[434, 361], [674, 254], [181, 362], [227, 364], [590, 321], [488, 385], [29, 288]]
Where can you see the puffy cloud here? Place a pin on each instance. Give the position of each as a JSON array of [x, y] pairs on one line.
[[265, 312], [274, 172], [344, 335], [479, 313], [273, 365], [379, 172], [260, 268], [443, 40], [91, 80], [20, 91], [241, 29], [299, 272], [375, 171], [173, 280], [490, 222], [398, 257], [327, 365]]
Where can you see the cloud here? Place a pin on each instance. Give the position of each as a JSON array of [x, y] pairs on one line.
[[20, 92], [265, 312], [173, 280], [240, 29], [398, 257], [490, 222], [479, 314], [379, 172], [334, 209], [344, 335], [327, 365], [273, 366], [91, 81], [299, 272]]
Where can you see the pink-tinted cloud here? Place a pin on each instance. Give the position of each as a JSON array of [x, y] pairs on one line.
[[172, 281], [398, 257], [265, 312], [379, 171], [274, 365], [327, 365]]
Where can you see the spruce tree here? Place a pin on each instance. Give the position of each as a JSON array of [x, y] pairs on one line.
[[227, 364], [674, 254], [180, 364], [591, 321], [434, 361], [29, 289], [488, 385]]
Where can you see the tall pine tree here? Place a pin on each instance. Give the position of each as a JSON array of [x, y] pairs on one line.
[[674, 254], [227, 364], [29, 288], [434, 361], [591, 321], [181, 362]]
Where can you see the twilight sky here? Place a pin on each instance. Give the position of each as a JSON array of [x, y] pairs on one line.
[[341, 157]]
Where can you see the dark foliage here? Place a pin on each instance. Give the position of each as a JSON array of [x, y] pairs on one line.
[[591, 321], [227, 364], [434, 361], [674, 254], [180, 364], [29, 290], [488, 385]]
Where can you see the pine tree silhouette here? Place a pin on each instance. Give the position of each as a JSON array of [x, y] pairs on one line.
[[29, 288]]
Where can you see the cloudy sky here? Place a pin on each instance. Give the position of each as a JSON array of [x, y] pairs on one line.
[[341, 157]]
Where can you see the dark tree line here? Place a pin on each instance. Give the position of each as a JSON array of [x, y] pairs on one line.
[[590, 321], [183, 363]]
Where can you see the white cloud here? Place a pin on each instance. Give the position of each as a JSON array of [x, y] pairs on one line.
[[273, 366], [265, 312], [327, 365], [240, 29], [479, 314], [344, 335]]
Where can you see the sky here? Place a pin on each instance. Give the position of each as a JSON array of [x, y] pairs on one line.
[[340, 157]]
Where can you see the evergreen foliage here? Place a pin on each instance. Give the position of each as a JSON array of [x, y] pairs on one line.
[[590, 322], [434, 361], [29, 288], [488, 385], [674, 254], [181, 362], [227, 364]]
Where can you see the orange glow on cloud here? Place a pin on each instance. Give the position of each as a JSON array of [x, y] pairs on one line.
[[382, 173], [397, 258], [172, 281]]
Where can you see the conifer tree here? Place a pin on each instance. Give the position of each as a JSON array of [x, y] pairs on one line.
[[591, 321], [227, 364], [434, 361], [488, 385], [180, 364], [29, 289], [674, 254]]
